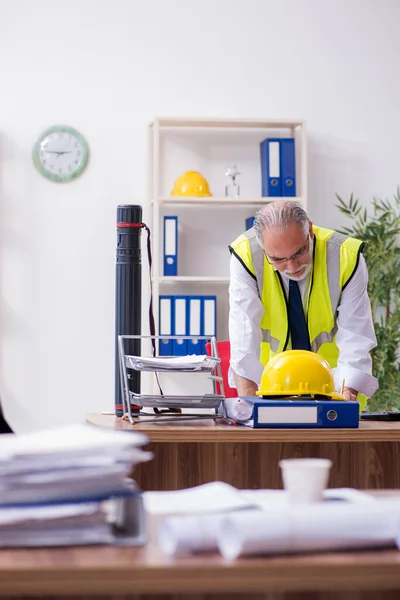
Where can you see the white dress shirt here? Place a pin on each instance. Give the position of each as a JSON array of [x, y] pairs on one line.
[[355, 335]]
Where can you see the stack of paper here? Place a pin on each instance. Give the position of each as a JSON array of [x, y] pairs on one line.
[[55, 525], [54, 484], [191, 362]]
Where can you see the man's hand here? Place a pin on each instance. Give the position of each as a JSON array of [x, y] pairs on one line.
[[350, 394]]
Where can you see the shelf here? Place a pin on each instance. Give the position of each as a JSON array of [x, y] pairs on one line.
[[183, 278], [226, 123], [216, 201], [206, 225]]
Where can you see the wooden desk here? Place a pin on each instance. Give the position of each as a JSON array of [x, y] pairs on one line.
[[142, 572], [191, 454]]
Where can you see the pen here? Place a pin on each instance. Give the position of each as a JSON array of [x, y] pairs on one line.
[[342, 387]]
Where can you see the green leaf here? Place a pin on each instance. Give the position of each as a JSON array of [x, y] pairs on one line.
[[381, 232]]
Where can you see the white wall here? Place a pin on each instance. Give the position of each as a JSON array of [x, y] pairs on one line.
[[107, 68]]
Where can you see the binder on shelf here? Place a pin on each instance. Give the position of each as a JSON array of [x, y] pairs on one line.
[[271, 180], [166, 326], [179, 346], [194, 345], [209, 319], [288, 167], [249, 222], [170, 246]]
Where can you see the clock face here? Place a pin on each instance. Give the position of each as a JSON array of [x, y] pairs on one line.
[[60, 153]]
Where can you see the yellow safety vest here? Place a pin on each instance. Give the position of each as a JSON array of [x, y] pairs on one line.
[[335, 260]]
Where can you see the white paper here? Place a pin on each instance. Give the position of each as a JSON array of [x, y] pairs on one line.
[[185, 535], [317, 527], [208, 498], [49, 513], [67, 464], [54, 525], [193, 362], [71, 438], [199, 533], [238, 409], [272, 499]]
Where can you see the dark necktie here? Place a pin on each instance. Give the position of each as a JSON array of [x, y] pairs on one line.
[[297, 322]]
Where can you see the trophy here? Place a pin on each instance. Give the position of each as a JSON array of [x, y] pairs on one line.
[[232, 190]]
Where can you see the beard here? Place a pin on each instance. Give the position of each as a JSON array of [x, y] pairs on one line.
[[302, 275]]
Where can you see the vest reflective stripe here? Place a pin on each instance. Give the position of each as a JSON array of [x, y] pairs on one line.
[[258, 260], [323, 338], [333, 269], [268, 339], [333, 272]]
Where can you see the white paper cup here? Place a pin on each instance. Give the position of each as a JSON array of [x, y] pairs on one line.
[[305, 479]]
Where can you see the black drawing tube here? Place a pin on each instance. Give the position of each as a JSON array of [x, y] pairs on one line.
[[128, 292]]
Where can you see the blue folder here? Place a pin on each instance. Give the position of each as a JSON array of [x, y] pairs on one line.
[[249, 222], [208, 319], [179, 346], [304, 414], [194, 324], [166, 325], [170, 249], [288, 167], [270, 155]]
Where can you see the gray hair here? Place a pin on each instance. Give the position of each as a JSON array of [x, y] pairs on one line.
[[279, 215]]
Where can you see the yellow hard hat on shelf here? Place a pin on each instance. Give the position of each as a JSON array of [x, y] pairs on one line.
[[298, 373], [191, 183]]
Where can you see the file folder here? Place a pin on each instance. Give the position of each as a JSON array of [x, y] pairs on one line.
[[271, 167], [165, 325], [288, 167], [170, 246], [307, 414], [194, 345], [209, 319], [179, 318], [249, 222]]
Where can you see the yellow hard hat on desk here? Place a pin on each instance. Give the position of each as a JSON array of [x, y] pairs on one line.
[[191, 183], [298, 373]]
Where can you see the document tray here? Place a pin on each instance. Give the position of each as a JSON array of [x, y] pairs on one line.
[[205, 401]]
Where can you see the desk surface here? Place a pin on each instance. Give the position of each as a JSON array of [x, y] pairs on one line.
[[112, 571], [209, 431]]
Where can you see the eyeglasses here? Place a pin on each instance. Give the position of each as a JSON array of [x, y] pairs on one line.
[[279, 261]]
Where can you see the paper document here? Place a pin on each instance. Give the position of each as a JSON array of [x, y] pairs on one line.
[[56, 484], [208, 498], [58, 525], [218, 496], [71, 439], [238, 409], [68, 463], [309, 528], [193, 362], [268, 499], [326, 526]]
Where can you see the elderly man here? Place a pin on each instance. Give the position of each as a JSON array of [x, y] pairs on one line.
[[298, 286]]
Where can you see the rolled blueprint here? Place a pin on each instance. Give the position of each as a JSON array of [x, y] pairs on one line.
[[184, 535], [323, 527], [238, 409]]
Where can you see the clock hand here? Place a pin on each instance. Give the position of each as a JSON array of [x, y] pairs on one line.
[[58, 152]]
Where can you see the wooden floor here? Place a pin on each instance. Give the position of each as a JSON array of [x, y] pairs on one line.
[[187, 455]]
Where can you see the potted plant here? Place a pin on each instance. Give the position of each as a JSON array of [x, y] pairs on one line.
[[379, 227]]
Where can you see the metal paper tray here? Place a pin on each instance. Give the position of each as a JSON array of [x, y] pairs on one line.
[[206, 401], [169, 368]]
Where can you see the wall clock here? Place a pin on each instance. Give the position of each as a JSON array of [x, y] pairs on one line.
[[60, 153]]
